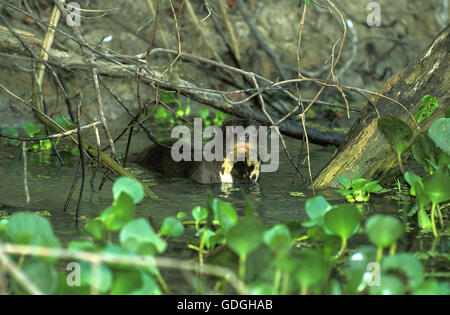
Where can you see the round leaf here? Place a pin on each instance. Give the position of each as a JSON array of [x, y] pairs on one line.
[[138, 233], [224, 213], [171, 227], [312, 270], [343, 220], [129, 185], [389, 285], [406, 264], [439, 132], [383, 230], [278, 237], [245, 236], [397, 132], [199, 213], [437, 185]]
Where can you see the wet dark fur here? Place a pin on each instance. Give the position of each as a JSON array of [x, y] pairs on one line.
[[158, 158]]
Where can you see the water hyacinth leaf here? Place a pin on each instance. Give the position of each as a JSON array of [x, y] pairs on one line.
[[383, 230], [42, 274], [439, 132], [31, 129], [361, 269], [437, 186], [245, 237], [181, 215], [171, 227], [65, 122], [312, 269], [11, 132], [129, 185], [161, 113], [389, 285], [411, 179], [95, 228], [428, 105], [278, 238], [134, 282], [345, 182], [122, 211], [31, 229], [372, 186], [315, 208], [342, 220], [203, 113], [397, 132], [224, 213], [199, 213], [424, 150], [138, 233], [105, 277], [405, 264]]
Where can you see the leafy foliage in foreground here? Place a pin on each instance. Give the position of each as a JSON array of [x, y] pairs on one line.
[[432, 151], [269, 260]]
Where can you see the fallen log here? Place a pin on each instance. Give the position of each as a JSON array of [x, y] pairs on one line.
[[365, 152]]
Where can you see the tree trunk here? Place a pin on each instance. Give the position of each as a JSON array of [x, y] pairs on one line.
[[365, 151]]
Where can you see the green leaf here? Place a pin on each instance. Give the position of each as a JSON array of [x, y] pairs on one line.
[[357, 273], [278, 238], [65, 122], [168, 98], [161, 113], [105, 277], [199, 213], [345, 182], [245, 237], [439, 132], [405, 264], [425, 151], [134, 282], [129, 185], [383, 230], [316, 208], [181, 215], [343, 220], [31, 129], [42, 274], [95, 228], [172, 227], [411, 179], [437, 186], [428, 105], [224, 213], [389, 285], [312, 270], [31, 229], [137, 234], [397, 132], [121, 212], [203, 113], [11, 132]]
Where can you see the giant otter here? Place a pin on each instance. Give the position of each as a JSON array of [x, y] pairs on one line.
[[228, 169]]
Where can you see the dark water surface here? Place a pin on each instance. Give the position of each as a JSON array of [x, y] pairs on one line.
[[49, 184]]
